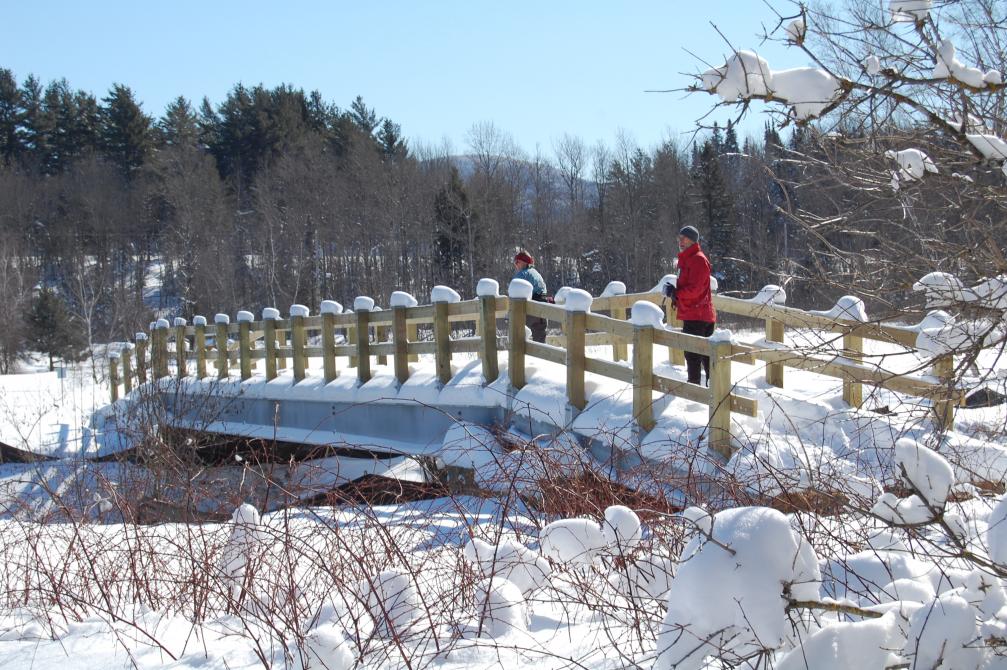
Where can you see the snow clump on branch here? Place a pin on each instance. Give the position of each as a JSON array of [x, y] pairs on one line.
[[913, 163], [747, 75], [948, 65], [732, 588], [910, 10]]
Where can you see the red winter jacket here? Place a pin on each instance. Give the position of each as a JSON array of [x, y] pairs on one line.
[[692, 291]]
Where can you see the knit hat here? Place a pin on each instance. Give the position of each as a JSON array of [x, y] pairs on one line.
[[525, 257], [690, 232]]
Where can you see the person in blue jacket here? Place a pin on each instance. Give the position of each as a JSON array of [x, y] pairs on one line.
[[523, 269]]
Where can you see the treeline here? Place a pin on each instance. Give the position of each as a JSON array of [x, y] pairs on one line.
[[276, 196]]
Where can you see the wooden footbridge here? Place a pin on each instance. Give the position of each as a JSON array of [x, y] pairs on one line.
[[369, 336]]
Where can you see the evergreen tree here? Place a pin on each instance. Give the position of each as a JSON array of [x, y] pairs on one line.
[[12, 116], [126, 132], [37, 125], [66, 127], [393, 146], [363, 116], [454, 235], [179, 127], [51, 330], [716, 214]]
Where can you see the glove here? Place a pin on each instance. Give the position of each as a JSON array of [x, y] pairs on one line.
[[669, 290]]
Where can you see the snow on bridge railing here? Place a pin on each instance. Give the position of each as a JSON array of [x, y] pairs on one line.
[[369, 332]]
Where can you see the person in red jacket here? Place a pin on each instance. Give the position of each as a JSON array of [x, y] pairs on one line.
[[693, 299]]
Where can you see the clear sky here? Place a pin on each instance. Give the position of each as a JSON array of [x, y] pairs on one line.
[[537, 69]]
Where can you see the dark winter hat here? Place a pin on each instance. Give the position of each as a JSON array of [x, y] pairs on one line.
[[525, 257], [690, 232]]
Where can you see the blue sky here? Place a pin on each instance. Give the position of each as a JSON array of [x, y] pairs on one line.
[[537, 70]]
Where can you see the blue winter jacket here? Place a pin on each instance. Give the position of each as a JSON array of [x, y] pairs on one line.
[[531, 275]]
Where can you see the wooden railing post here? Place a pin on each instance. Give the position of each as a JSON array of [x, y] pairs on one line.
[[575, 327], [719, 437], [517, 313], [675, 356], [401, 338], [283, 339], [329, 309], [141, 357], [853, 391], [944, 410], [774, 371], [199, 344], [643, 376], [113, 375], [161, 349], [245, 343], [380, 335], [442, 339], [298, 340], [127, 367], [180, 346], [619, 349], [488, 341], [613, 290], [222, 321], [269, 317], [413, 335], [351, 339], [363, 342]]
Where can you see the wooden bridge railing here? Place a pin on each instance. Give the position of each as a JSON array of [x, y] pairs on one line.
[[369, 333]]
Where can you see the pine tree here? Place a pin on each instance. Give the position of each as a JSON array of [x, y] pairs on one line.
[[716, 214], [66, 126], [12, 116], [179, 127], [393, 146], [50, 328], [454, 236], [126, 132], [363, 116]]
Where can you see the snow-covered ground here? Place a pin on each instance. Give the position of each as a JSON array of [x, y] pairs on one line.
[[854, 578]]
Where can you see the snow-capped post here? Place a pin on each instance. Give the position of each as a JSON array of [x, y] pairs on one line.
[[487, 290], [617, 311], [245, 343], [180, 346], [675, 356], [719, 438], [221, 321], [270, 315], [127, 367], [441, 296], [141, 357], [329, 309], [400, 302], [113, 375], [519, 292], [577, 305], [298, 340], [642, 315], [199, 344], [160, 348], [849, 311], [770, 295], [362, 306]]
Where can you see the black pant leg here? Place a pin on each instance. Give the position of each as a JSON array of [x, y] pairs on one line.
[[538, 327], [697, 364]]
